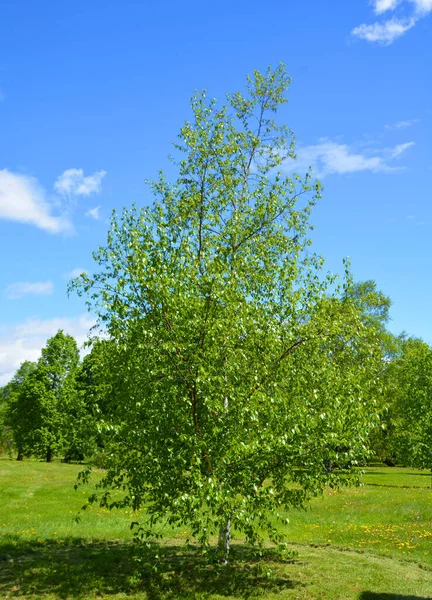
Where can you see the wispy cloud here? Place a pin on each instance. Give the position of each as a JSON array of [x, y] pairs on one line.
[[422, 6], [386, 32], [330, 157], [73, 182], [94, 213], [415, 220], [402, 124], [24, 200], [401, 148], [381, 6], [38, 288], [24, 341]]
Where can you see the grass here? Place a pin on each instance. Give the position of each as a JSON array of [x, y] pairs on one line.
[[390, 515], [368, 543]]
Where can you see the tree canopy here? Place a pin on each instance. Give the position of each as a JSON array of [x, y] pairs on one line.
[[411, 374], [235, 367], [41, 397]]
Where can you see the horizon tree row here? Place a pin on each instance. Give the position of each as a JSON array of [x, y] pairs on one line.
[[46, 407], [61, 406]]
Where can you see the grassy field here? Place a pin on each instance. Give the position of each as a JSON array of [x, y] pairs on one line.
[[368, 543]]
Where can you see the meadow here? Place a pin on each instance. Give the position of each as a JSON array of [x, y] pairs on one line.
[[368, 543]]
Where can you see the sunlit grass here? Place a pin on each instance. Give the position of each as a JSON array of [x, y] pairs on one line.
[[354, 543], [390, 514]]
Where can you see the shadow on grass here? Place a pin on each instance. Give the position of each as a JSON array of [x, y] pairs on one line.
[[391, 473], [74, 568], [402, 487], [395, 485], [374, 596]]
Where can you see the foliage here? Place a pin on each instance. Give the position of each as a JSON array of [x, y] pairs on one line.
[[373, 304], [90, 410], [411, 374], [39, 411], [12, 429], [233, 371], [374, 307]]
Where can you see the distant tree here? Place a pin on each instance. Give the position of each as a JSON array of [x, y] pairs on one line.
[[89, 413], [40, 408], [373, 304], [234, 372], [11, 434], [374, 307], [411, 373]]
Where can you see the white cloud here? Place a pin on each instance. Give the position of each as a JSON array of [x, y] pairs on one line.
[[401, 148], [329, 157], [384, 33], [23, 199], [402, 124], [387, 32], [94, 213], [78, 327], [381, 6], [26, 340], [38, 288], [73, 183], [74, 273], [422, 6]]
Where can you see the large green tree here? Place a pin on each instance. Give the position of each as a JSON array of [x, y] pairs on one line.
[[13, 425], [90, 411], [42, 405], [233, 370], [411, 397], [374, 307]]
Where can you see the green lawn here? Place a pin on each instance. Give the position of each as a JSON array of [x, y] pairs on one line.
[[368, 543]]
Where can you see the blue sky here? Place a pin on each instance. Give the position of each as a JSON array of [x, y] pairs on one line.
[[92, 95]]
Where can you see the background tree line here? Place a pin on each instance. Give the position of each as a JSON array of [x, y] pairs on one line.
[[49, 407], [63, 406]]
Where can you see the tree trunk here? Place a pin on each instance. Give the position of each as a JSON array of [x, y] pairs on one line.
[[20, 454], [224, 542], [48, 455]]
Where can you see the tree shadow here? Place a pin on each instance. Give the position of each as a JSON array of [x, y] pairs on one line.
[[402, 487], [395, 485], [75, 568], [412, 474], [378, 596]]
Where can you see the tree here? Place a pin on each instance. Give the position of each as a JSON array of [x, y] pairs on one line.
[[90, 410], [233, 372], [411, 373], [373, 304], [41, 404], [12, 426], [374, 307]]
